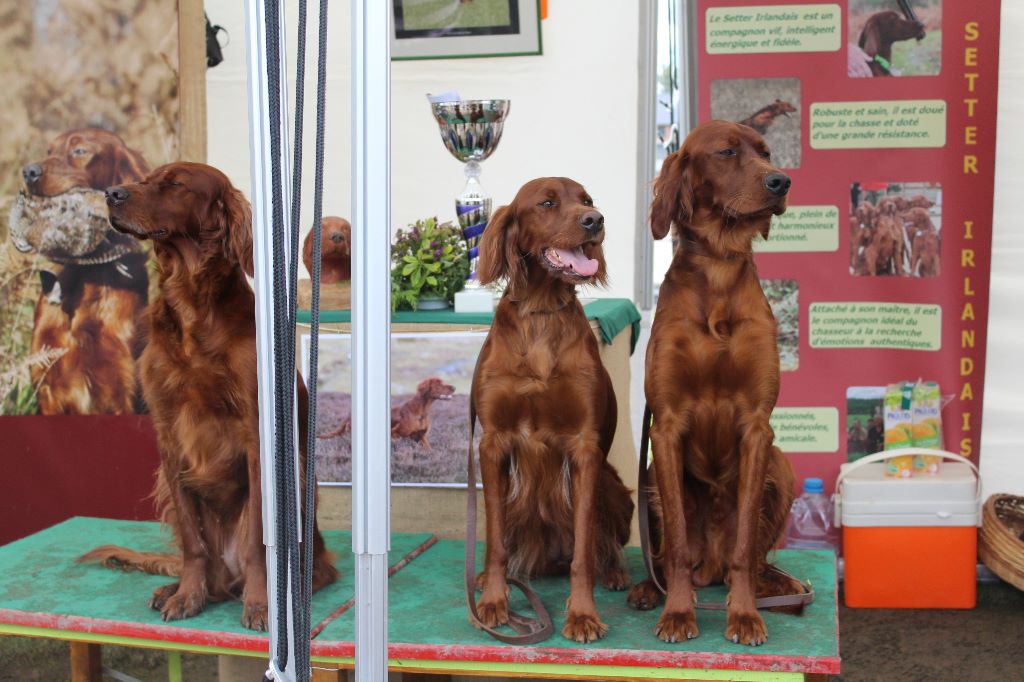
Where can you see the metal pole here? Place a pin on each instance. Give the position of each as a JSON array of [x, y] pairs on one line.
[[371, 321], [647, 65], [260, 154], [688, 74]]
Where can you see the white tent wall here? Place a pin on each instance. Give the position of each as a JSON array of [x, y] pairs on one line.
[[573, 113], [1002, 437]]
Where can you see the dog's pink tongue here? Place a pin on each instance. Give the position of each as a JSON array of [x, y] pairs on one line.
[[579, 263]]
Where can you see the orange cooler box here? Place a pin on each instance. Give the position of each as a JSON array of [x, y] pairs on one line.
[[909, 543]]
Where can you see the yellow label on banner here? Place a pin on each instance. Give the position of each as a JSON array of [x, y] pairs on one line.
[[802, 228], [773, 28], [907, 326], [871, 125], [806, 429]]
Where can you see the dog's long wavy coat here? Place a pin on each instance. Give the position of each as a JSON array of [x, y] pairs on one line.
[[723, 490], [198, 375], [547, 410]]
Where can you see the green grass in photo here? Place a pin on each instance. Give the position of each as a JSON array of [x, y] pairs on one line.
[[912, 58], [419, 15]]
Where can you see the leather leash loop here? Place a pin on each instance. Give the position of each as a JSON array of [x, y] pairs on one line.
[[528, 630]]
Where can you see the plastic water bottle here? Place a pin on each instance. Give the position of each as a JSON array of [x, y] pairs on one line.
[[811, 524]]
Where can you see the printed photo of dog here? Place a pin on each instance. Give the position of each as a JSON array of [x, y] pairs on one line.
[[431, 375], [771, 106], [895, 229], [894, 38]]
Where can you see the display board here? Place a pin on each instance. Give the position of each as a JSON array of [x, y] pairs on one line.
[[883, 112]]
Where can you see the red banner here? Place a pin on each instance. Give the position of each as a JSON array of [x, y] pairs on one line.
[[883, 112]]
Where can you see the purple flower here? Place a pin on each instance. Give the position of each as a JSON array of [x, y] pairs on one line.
[[437, 254], [434, 244]]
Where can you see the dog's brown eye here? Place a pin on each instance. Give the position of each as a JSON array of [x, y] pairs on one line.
[[550, 203], [727, 152], [79, 151], [588, 202], [766, 154]]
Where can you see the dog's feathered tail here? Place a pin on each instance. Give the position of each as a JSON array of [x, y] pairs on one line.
[[155, 563]]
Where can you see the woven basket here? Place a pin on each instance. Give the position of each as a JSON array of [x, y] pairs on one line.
[[1001, 541]]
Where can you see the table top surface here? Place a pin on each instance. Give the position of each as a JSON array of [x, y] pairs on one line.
[[43, 589]]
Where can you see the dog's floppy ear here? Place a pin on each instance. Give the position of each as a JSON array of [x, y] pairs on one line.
[[129, 166], [499, 251], [234, 216], [673, 194], [870, 38]]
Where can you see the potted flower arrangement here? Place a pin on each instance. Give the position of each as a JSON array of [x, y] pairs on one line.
[[429, 265]]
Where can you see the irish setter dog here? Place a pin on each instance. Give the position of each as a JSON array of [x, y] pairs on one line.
[[198, 375], [336, 247], [547, 410], [723, 490], [411, 419], [90, 303], [881, 30]]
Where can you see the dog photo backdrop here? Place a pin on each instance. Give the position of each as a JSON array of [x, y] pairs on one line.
[[109, 69], [888, 233]]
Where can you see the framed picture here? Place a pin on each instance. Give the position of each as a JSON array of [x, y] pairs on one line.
[[431, 376], [446, 29]]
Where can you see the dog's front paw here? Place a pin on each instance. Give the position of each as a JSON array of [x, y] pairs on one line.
[[183, 605], [254, 615], [746, 628], [644, 596], [616, 579], [677, 626], [161, 595], [583, 627], [493, 612]]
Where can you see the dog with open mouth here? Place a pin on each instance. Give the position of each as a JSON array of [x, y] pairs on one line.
[[554, 504]]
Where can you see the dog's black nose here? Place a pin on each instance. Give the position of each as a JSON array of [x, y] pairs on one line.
[[32, 173], [777, 184], [592, 221], [116, 196], [337, 237]]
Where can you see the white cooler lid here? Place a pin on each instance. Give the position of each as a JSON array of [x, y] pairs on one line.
[[948, 498]]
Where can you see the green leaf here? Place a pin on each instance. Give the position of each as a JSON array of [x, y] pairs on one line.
[[434, 267], [409, 259], [417, 279], [409, 269], [431, 280]]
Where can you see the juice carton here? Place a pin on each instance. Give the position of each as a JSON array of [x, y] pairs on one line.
[[927, 425], [898, 428]]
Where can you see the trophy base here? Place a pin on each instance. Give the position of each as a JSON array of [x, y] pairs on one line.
[[474, 300]]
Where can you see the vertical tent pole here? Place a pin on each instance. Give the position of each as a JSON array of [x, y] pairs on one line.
[[260, 155], [371, 320]]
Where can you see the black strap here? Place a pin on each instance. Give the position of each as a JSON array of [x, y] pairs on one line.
[[529, 630], [643, 506]]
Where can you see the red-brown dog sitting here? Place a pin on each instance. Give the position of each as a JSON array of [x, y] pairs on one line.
[[198, 375], [336, 250], [547, 410], [723, 490]]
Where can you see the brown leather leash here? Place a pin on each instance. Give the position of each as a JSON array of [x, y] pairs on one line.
[[528, 630], [643, 506]]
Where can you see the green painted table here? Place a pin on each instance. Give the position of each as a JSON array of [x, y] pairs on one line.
[[44, 593]]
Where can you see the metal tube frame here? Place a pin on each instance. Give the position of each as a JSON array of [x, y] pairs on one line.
[[371, 327]]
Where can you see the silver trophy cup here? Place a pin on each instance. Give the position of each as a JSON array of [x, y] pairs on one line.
[[471, 130]]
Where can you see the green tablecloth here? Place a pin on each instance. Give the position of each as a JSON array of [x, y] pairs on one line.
[[612, 315]]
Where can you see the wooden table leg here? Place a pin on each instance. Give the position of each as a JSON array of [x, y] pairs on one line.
[[86, 662]]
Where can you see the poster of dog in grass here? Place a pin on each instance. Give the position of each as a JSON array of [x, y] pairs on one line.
[[431, 375]]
